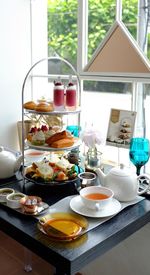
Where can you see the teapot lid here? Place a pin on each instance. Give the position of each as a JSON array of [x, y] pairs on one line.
[[2, 151], [5, 154], [121, 171]]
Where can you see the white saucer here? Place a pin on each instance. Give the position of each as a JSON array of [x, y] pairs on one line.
[[77, 206]]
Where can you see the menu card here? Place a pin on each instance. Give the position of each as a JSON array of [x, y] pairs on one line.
[[120, 128]]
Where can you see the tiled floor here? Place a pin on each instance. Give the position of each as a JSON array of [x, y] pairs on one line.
[[12, 259]]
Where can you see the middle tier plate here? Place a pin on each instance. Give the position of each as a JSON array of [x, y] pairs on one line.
[[45, 147]]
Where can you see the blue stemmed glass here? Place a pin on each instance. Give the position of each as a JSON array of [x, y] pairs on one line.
[[139, 152]]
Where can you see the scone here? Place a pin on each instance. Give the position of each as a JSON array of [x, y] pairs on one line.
[[31, 105], [44, 107]]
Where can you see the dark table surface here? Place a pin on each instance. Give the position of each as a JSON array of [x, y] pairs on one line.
[[69, 257]]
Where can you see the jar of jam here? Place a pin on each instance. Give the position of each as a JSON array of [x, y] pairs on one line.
[[58, 95]]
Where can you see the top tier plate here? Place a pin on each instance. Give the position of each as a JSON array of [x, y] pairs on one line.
[[53, 113]]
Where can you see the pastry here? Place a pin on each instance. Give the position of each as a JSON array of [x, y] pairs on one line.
[[30, 135], [60, 135], [62, 143], [38, 138], [31, 105], [44, 107], [30, 203]]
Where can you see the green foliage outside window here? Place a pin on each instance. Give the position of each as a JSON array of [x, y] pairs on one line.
[[62, 30], [62, 24]]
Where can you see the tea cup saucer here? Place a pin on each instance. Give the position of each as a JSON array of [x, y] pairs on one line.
[[112, 208]]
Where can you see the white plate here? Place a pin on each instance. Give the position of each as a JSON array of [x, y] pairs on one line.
[[76, 144], [77, 206]]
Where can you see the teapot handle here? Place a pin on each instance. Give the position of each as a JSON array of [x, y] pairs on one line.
[[146, 187], [18, 163]]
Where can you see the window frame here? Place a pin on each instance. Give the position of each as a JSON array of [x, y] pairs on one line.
[[83, 45]]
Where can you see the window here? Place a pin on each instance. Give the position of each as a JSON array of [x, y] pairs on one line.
[[129, 16], [101, 15], [62, 29], [99, 93]]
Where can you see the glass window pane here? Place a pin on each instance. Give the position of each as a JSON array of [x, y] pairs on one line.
[[101, 16], [62, 29], [147, 116], [96, 105], [129, 15]]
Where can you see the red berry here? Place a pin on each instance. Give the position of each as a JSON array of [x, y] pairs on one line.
[[58, 83], [70, 84], [44, 128], [33, 129]]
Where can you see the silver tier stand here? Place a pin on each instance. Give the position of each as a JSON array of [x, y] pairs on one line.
[[75, 74]]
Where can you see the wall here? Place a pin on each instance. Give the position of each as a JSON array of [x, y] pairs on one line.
[[14, 62], [15, 59], [130, 257]]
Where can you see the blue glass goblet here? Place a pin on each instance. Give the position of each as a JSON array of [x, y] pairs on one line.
[[139, 152]]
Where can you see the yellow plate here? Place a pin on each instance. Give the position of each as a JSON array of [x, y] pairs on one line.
[[63, 226]]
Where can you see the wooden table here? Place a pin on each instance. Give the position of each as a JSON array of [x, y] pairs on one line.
[[68, 258]]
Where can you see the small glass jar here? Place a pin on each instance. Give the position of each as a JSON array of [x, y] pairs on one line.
[[71, 96], [93, 158], [58, 96]]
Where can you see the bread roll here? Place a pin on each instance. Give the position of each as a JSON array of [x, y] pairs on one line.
[[44, 107], [62, 143], [31, 105], [60, 135]]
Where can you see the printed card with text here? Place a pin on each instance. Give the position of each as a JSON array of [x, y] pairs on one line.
[[120, 128]]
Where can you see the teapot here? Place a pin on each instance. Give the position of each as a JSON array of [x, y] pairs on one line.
[[123, 182], [9, 163]]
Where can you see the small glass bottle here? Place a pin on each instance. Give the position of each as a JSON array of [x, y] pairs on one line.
[[93, 158], [58, 95], [71, 95]]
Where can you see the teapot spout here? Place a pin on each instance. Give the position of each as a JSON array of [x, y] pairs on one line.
[[18, 163], [100, 175]]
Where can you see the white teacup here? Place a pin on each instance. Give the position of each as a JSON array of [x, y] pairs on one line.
[[96, 197]]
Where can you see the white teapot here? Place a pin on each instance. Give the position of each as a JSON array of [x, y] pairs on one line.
[[123, 182], [9, 163]]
